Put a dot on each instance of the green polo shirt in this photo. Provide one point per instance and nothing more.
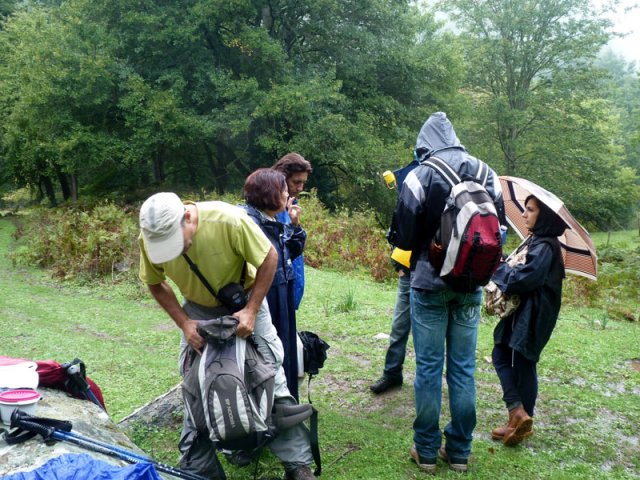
(225, 238)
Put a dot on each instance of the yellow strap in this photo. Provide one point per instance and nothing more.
(403, 257)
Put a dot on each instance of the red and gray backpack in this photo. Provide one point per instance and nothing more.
(467, 247)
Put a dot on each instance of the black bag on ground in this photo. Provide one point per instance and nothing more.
(314, 352)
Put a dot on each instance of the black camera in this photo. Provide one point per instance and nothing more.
(233, 297)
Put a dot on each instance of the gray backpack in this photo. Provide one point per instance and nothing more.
(228, 391)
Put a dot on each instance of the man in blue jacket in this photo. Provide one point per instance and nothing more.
(440, 315)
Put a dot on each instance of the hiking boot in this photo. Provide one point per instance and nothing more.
(499, 432)
(385, 383)
(300, 473)
(427, 466)
(457, 465)
(519, 424)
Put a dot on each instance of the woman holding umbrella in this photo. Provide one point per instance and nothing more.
(519, 338)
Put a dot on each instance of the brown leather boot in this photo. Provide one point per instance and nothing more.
(498, 432)
(519, 424)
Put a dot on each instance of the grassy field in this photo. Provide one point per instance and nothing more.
(587, 415)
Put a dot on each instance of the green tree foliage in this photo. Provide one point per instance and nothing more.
(107, 97)
(201, 92)
(622, 88)
(537, 101)
(56, 98)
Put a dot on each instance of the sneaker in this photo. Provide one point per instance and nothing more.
(300, 473)
(457, 465)
(427, 466)
(385, 383)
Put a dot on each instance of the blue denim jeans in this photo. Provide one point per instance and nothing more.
(445, 319)
(400, 329)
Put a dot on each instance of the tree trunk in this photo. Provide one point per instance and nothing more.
(508, 137)
(63, 180)
(191, 172)
(48, 188)
(73, 186)
(39, 193)
(267, 18)
(158, 166)
(165, 410)
(217, 172)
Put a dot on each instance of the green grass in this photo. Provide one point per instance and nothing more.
(120, 341)
(623, 239)
(586, 423)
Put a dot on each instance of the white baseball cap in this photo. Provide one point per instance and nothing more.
(161, 223)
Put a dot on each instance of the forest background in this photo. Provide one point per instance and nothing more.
(116, 99)
(103, 103)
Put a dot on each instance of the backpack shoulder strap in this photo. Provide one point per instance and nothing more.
(443, 168)
(482, 175)
(315, 446)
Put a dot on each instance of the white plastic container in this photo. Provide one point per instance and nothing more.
(24, 399)
(19, 375)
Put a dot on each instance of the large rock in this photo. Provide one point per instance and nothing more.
(88, 420)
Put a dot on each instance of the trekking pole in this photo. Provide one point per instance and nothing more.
(62, 435)
(76, 376)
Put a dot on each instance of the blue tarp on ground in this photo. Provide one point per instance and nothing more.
(84, 467)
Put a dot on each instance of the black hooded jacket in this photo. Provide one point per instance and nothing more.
(423, 196)
(287, 239)
(538, 282)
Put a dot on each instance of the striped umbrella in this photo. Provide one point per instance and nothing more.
(578, 251)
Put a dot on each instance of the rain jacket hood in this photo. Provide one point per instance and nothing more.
(423, 196)
(549, 224)
(436, 134)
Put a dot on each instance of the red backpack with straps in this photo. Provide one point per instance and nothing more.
(467, 247)
(55, 375)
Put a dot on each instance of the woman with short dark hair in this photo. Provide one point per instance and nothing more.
(266, 194)
(264, 189)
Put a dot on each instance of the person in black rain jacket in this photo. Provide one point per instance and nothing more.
(520, 337)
